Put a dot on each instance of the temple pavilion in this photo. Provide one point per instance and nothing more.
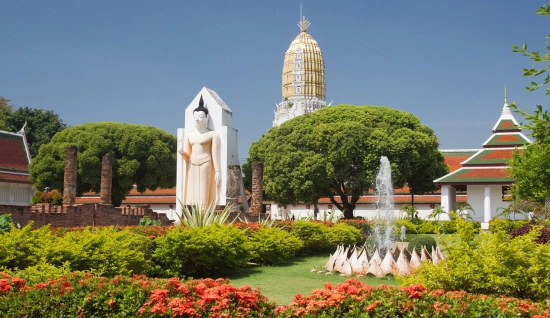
(483, 175)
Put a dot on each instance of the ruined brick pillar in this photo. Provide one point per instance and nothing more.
(257, 187)
(233, 187)
(106, 179)
(69, 182)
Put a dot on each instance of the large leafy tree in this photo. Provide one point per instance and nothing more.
(142, 155)
(335, 152)
(42, 125)
(5, 112)
(530, 168)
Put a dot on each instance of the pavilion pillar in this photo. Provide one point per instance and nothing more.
(448, 198)
(486, 208)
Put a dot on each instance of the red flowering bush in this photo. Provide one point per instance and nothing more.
(356, 299)
(83, 295)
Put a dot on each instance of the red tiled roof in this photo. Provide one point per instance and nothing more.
(14, 178)
(454, 162)
(13, 156)
(477, 176)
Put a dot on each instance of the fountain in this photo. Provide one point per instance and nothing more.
(359, 261)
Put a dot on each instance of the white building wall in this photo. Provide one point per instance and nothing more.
(16, 194)
(476, 198)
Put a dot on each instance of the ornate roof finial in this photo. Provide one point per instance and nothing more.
(303, 24)
(505, 97)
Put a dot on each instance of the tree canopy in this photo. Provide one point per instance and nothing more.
(335, 152)
(529, 168)
(41, 126)
(142, 155)
(5, 112)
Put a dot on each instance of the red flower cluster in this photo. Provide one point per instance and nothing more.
(196, 297)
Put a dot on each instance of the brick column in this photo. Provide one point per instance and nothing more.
(106, 179)
(233, 188)
(257, 187)
(69, 182)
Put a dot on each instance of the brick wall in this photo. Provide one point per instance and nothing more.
(80, 215)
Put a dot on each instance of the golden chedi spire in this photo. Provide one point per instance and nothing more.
(303, 66)
(303, 77)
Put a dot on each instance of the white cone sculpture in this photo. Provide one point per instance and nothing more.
(348, 262)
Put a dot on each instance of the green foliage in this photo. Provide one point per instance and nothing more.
(104, 250)
(142, 155)
(420, 241)
(42, 272)
(41, 126)
(313, 234)
(5, 112)
(200, 251)
(528, 168)
(197, 218)
(489, 264)
(335, 152)
(342, 234)
(21, 248)
(410, 227)
(6, 223)
(506, 226)
(429, 227)
(52, 197)
(410, 210)
(272, 246)
(147, 221)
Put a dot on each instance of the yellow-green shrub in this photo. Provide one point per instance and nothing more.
(105, 250)
(200, 252)
(429, 227)
(341, 233)
(410, 227)
(21, 248)
(272, 245)
(489, 264)
(313, 234)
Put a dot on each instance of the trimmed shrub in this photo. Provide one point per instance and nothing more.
(500, 225)
(272, 246)
(21, 248)
(493, 264)
(6, 223)
(103, 250)
(429, 227)
(52, 197)
(448, 227)
(410, 227)
(543, 232)
(313, 234)
(200, 252)
(365, 226)
(341, 233)
(420, 241)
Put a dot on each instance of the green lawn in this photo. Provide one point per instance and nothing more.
(281, 283)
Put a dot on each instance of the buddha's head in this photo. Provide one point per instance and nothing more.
(200, 115)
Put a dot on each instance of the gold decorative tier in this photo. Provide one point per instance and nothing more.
(304, 67)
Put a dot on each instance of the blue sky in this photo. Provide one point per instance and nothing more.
(144, 61)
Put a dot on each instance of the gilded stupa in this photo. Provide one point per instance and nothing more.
(303, 77)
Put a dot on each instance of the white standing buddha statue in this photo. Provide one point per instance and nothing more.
(201, 158)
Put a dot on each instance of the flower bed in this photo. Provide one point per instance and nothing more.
(356, 299)
(83, 295)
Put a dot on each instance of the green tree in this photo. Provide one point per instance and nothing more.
(529, 168)
(335, 152)
(5, 112)
(42, 125)
(142, 155)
